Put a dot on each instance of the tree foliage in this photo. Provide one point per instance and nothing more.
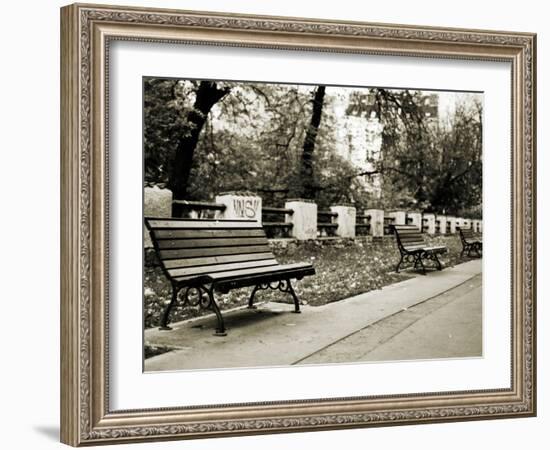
(426, 163)
(281, 141)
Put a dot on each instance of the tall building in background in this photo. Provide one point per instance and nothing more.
(359, 133)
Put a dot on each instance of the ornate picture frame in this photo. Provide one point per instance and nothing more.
(86, 34)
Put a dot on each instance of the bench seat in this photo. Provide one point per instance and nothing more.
(204, 256)
(421, 248)
(433, 249)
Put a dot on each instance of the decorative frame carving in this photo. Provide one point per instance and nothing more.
(86, 31)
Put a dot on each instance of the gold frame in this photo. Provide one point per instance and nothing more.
(86, 31)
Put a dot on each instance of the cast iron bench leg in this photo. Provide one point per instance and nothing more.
(399, 264)
(283, 286)
(418, 259)
(294, 297)
(164, 322)
(439, 266)
(251, 299)
(220, 329)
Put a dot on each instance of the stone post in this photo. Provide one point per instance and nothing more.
(451, 220)
(400, 217)
(429, 221)
(376, 222)
(480, 230)
(345, 220)
(416, 219)
(477, 225)
(240, 206)
(157, 202)
(467, 223)
(442, 223)
(303, 219)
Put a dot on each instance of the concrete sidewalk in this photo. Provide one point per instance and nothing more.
(337, 332)
(448, 325)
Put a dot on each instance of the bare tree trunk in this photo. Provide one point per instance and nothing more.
(207, 95)
(307, 177)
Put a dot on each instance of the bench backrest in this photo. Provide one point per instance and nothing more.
(408, 237)
(189, 248)
(466, 233)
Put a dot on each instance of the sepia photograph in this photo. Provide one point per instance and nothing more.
(296, 224)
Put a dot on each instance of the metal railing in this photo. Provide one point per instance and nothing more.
(273, 225)
(196, 210)
(425, 226)
(325, 226)
(362, 224)
(388, 220)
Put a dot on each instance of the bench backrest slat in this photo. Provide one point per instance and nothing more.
(175, 244)
(212, 260)
(408, 237)
(199, 270)
(189, 248)
(466, 233)
(215, 251)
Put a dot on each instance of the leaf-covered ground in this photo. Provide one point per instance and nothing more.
(342, 270)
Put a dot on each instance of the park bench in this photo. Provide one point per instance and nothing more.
(470, 242)
(200, 257)
(413, 248)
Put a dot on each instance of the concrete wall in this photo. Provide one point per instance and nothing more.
(157, 202)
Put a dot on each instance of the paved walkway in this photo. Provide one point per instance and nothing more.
(438, 315)
(446, 326)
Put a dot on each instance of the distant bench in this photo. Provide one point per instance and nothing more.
(204, 256)
(470, 242)
(413, 248)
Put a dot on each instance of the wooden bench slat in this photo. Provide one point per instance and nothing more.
(410, 238)
(435, 248)
(205, 243)
(215, 251)
(411, 248)
(198, 270)
(199, 224)
(413, 244)
(213, 260)
(261, 270)
(161, 234)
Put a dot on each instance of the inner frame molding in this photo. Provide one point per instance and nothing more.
(86, 31)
